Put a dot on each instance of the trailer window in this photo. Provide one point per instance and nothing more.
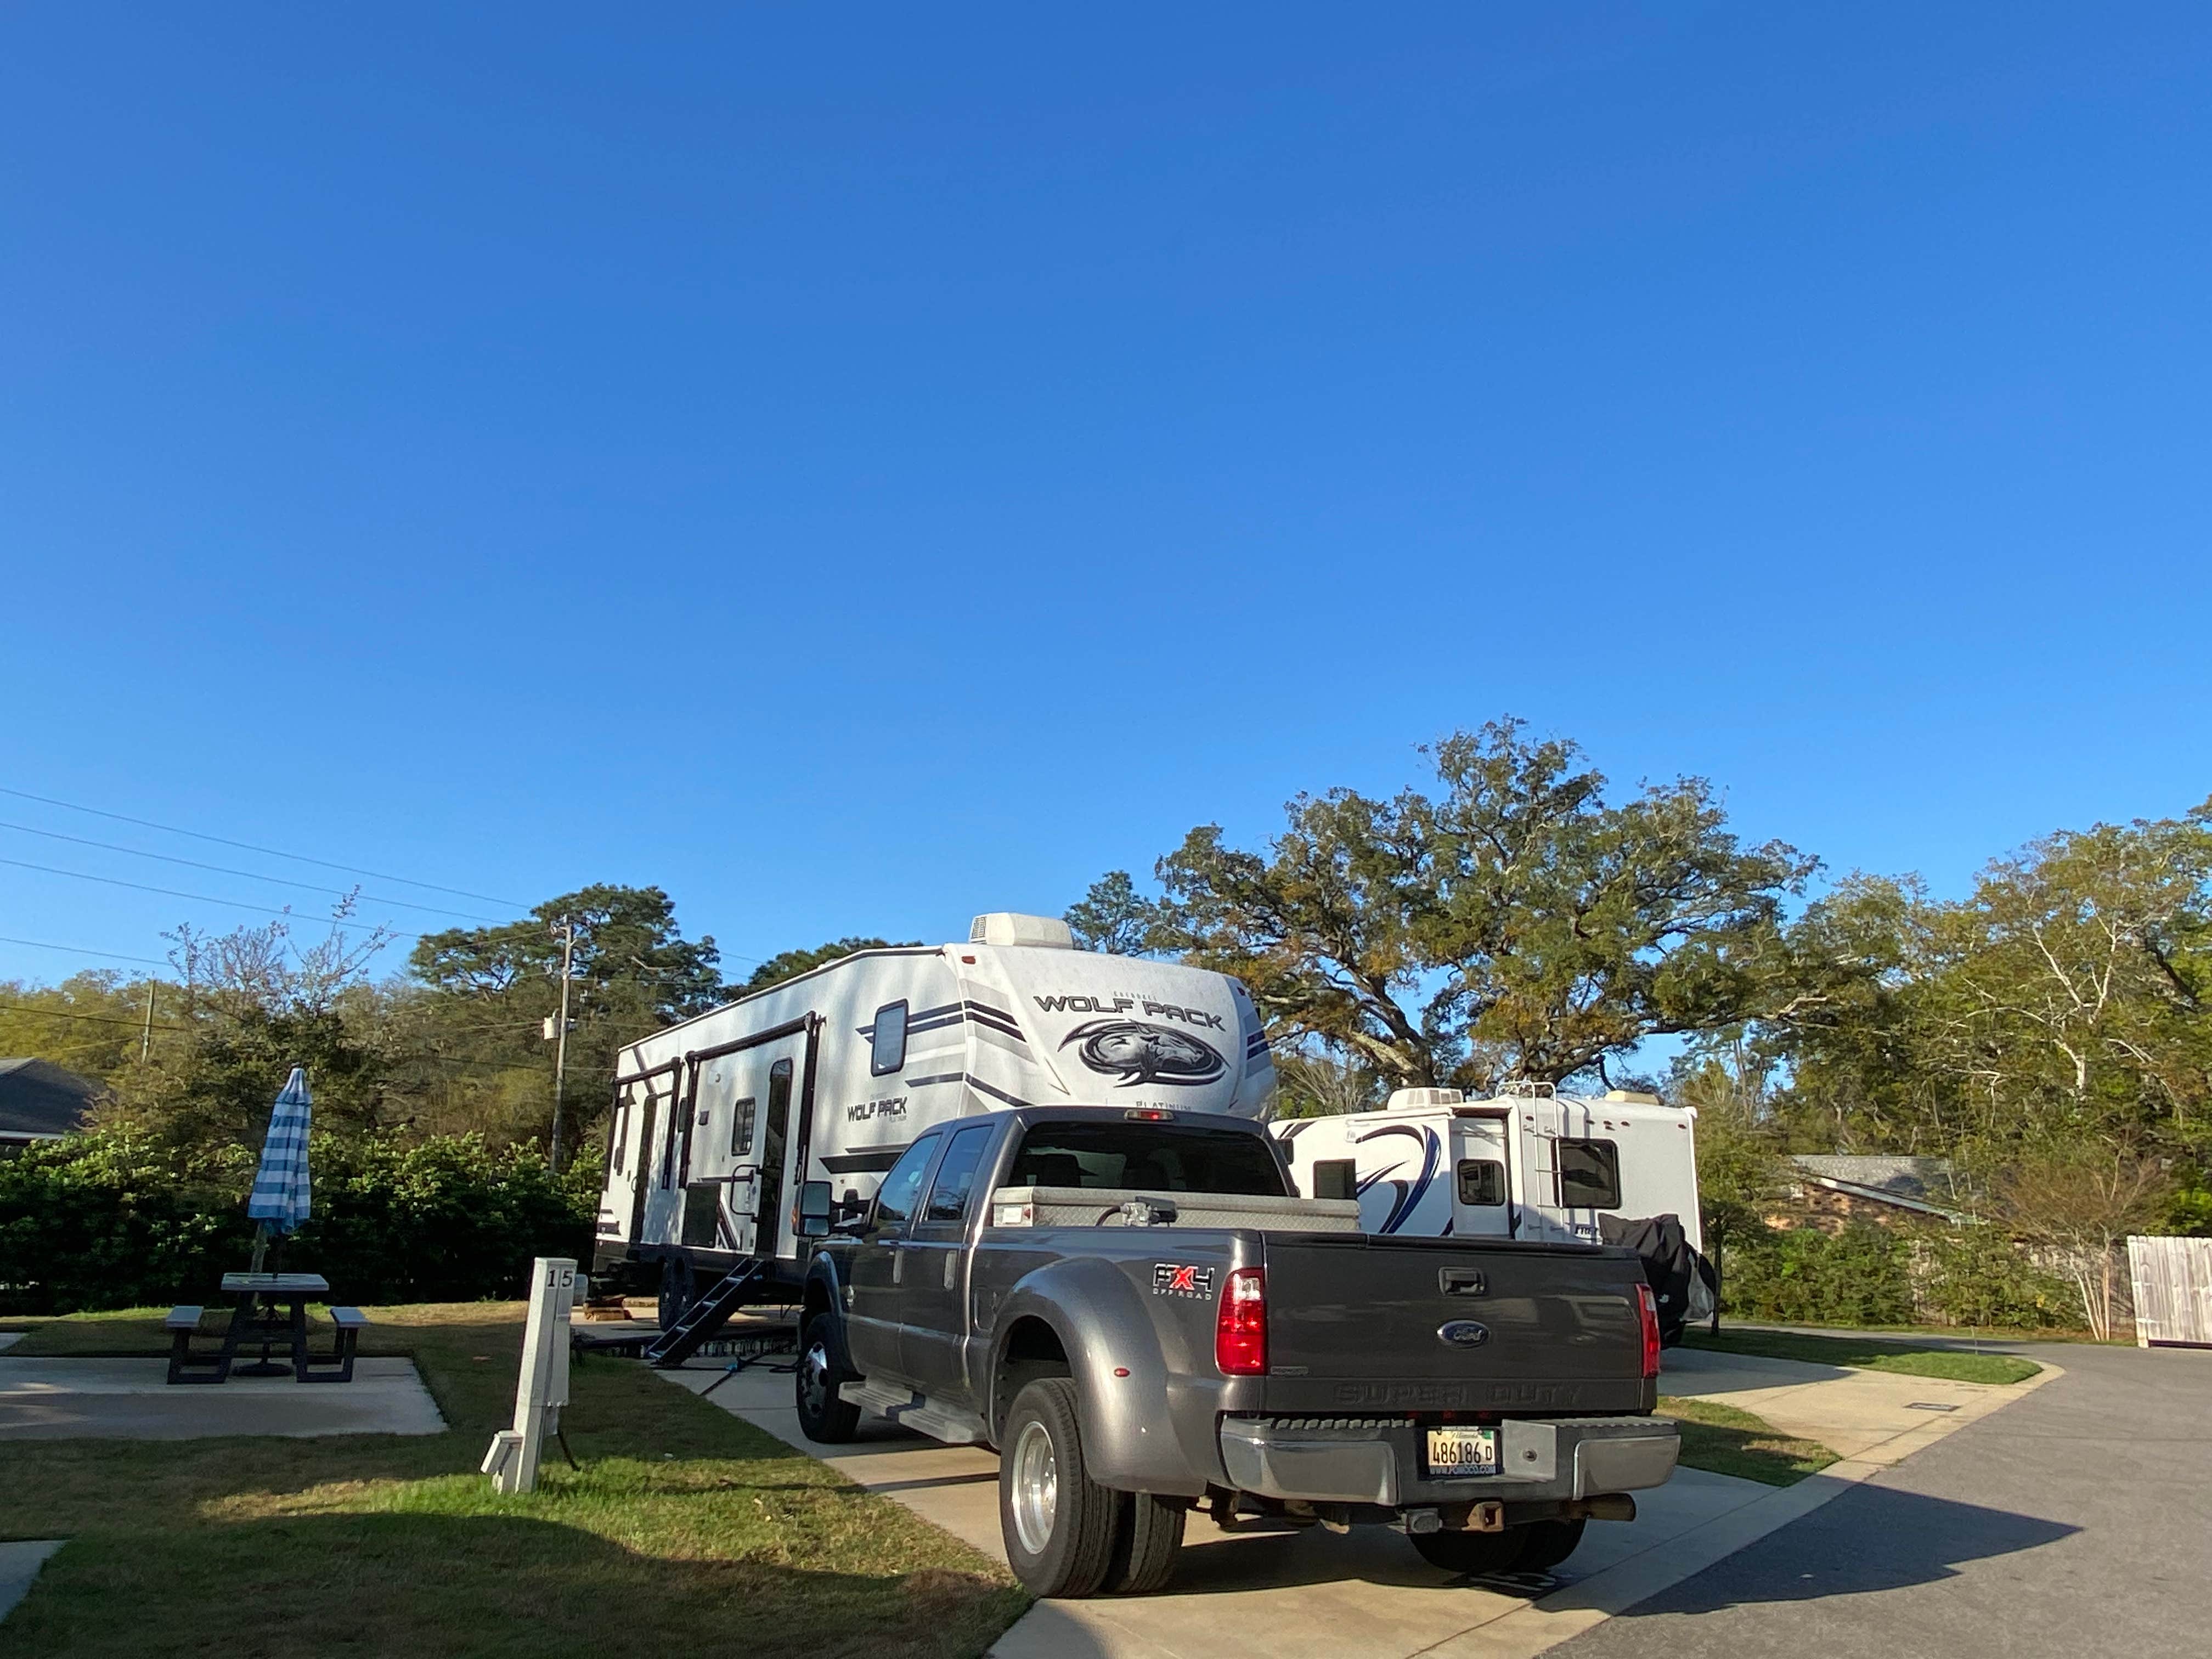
(741, 1127)
(1151, 1157)
(894, 1198)
(888, 1052)
(1589, 1174)
(619, 1137)
(956, 1176)
(1481, 1181)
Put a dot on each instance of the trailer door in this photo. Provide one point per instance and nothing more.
(757, 1136)
(1481, 1176)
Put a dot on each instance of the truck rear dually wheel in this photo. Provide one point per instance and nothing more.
(1147, 1538)
(1057, 1523)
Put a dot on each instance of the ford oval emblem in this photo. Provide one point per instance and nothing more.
(1463, 1334)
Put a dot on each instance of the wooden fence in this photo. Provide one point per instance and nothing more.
(2173, 1290)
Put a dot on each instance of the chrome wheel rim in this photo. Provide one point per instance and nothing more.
(1036, 1488)
(814, 1381)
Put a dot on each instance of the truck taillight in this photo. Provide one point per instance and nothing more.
(1240, 1329)
(1647, 1317)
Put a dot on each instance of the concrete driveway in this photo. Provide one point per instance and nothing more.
(2079, 1524)
(1264, 1591)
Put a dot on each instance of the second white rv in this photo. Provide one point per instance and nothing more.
(1532, 1165)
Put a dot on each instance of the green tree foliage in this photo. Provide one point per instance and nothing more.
(90, 1023)
(1741, 1165)
(1515, 924)
(2065, 1000)
(789, 965)
(1860, 1276)
(1114, 917)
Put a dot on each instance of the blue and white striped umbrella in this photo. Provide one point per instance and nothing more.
(280, 1185)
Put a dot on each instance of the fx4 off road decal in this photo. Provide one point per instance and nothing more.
(1183, 1279)
(1131, 1052)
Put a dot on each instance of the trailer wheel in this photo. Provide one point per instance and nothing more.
(1550, 1543)
(1057, 1523)
(1472, 1552)
(823, 1415)
(1147, 1538)
(676, 1290)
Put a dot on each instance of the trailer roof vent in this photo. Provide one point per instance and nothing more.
(1010, 927)
(1633, 1098)
(1402, 1098)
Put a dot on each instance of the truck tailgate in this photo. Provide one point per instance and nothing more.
(1366, 1322)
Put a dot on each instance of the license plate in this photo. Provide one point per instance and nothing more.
(1462, 1451)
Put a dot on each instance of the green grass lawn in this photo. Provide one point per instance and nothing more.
(685, 1528)
(1725, 1441)
(1868, 1353)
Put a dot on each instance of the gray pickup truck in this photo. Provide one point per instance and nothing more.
(1140, 1313)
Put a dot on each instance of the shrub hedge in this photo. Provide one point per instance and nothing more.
(1870, 1275)
(114, 1220)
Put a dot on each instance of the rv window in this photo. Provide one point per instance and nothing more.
(894, 1198)
(889, 1051)
(1153, 1157)
(1589, 1174)
(741, 1129)
(1481, 1181)
(956, 1176)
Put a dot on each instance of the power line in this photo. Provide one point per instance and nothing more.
(96, 1020)
(82, 950)
(251, 875)
(270, 851)
(171, 892)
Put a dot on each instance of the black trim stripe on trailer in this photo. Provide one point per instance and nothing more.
(997, 1019)
(982, 1087)
(926, 1082)
(874, 1161)
(922, 1019)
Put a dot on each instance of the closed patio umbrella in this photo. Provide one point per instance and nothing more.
(280, 1200)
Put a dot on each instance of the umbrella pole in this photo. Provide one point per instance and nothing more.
(260, 1245)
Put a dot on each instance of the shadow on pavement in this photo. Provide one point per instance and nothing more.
(1869, 1540)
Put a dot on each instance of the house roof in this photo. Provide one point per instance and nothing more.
(1927, 1185)
(40, 1098)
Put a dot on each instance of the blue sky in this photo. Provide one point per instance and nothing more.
(859, 466)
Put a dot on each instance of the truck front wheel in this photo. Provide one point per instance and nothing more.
(823, 1415)
(1058, 1523)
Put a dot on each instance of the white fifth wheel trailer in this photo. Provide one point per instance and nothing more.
(1532, 1163)
(830, 1075)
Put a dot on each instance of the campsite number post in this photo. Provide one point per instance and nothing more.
(543, 1388)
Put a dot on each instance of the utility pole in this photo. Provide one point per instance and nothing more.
(560, 1037)
(146, 1037)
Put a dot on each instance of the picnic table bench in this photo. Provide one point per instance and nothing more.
(256, 1318)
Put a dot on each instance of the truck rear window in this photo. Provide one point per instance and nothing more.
(1150, 1156)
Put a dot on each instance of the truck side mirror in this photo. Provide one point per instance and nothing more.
(814, 1209)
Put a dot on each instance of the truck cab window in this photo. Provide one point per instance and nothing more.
(1481, 1181)
(888, 1051)
(895, 1199)
(1589, 1174)
(1149, 1157)
(955, 1177)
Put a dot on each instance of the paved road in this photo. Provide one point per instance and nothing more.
(2076, 1521)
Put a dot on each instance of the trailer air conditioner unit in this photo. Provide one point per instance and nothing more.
(1008, 927)
(1407, 1097)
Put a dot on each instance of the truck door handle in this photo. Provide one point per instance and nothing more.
(1460, 1281)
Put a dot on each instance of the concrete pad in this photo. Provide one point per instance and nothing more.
(19, 1565)
(131, 1400)
(1875, 1416)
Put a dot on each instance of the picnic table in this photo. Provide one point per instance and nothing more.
(271, 1310)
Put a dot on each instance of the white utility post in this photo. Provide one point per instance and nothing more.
(561, 1049)
(543, 1388)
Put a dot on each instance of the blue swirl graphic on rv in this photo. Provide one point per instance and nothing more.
(1131, 1052)
(1410, 1192)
